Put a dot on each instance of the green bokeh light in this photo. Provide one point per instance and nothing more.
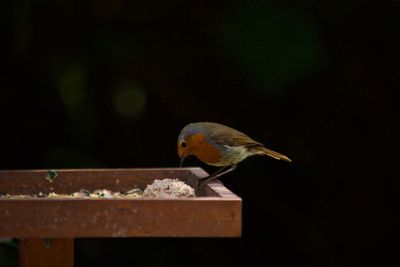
(276, 46)
(72, 86)
(129, 99)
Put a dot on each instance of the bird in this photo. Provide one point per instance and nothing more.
(221, 146)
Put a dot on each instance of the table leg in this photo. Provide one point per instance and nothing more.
(35, 252)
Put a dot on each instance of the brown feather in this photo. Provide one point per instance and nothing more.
(225, 135)
(271, 153)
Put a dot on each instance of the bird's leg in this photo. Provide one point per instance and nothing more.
(218, 173)
(204, 180)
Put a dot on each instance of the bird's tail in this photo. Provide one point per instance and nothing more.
(273, 154)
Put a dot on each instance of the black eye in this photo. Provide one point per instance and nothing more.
(183, 144)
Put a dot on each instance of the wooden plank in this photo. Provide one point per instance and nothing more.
(40, 218)
(71, 180)
(46, 252)
(216, 214)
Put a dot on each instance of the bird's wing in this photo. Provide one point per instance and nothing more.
(225, 135)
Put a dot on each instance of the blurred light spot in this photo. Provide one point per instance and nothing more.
(276, 46)
(129, 99)
(72, 86)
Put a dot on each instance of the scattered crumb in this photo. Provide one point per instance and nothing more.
(167, 188)
(83, 193)
(51, 176)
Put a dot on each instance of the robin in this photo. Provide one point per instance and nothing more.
(219, 145)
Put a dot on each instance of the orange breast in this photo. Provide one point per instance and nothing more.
(204, 151)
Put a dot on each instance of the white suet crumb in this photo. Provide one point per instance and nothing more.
(168, 188)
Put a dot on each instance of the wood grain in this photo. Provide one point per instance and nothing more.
(46, 253)
(71, 180)
(205, 217)
(215, 214)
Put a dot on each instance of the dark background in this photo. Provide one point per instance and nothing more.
(90, 84)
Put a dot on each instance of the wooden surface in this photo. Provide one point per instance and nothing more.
(215, 214)
(46, 252)
(69, 181)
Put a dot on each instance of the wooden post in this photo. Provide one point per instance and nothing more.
(35, 252)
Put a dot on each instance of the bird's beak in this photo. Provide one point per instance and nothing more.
(182, 160)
